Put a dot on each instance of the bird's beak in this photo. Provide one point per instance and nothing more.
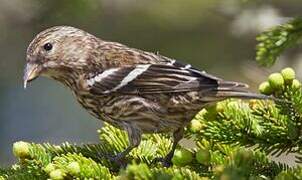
(31, 72)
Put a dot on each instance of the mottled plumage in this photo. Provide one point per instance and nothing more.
(138, 91)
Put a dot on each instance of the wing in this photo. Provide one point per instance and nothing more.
(154, 78)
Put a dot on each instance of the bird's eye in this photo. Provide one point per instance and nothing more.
(47, 46)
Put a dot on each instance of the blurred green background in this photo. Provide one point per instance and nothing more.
(216, 36)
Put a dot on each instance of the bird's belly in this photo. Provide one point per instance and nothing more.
(151, 114)
(141, 113)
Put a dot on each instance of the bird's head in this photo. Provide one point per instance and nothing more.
(56, 52)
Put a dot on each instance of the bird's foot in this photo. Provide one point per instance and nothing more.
(118, 159)
(166, 161)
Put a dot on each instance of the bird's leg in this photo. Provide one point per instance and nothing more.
(177, 136)
(134, 136)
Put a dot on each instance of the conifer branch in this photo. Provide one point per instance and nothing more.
(274, 41)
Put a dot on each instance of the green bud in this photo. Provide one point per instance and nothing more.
(276, 81)
(195, 126)
(220, 107)
(201, 114)
(265, 88)
(203, 156)
(56, 174)
(211, 113)
(296, 84)
(21, 149)
(182, 157)
(211, 109)
(288, 75)
(49, 168)
(74, 168)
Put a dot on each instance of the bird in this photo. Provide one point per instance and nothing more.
(134, 90)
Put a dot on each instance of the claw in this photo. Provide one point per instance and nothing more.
(118, 159)
(166, 162)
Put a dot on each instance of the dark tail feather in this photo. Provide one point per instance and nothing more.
(241, 94)
(246, 95)
(230, 89)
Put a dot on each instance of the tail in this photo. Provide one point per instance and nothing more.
(242, 95)
(230, 89)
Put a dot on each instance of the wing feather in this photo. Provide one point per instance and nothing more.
(151, 78)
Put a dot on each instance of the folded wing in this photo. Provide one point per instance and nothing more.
(157, 78)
